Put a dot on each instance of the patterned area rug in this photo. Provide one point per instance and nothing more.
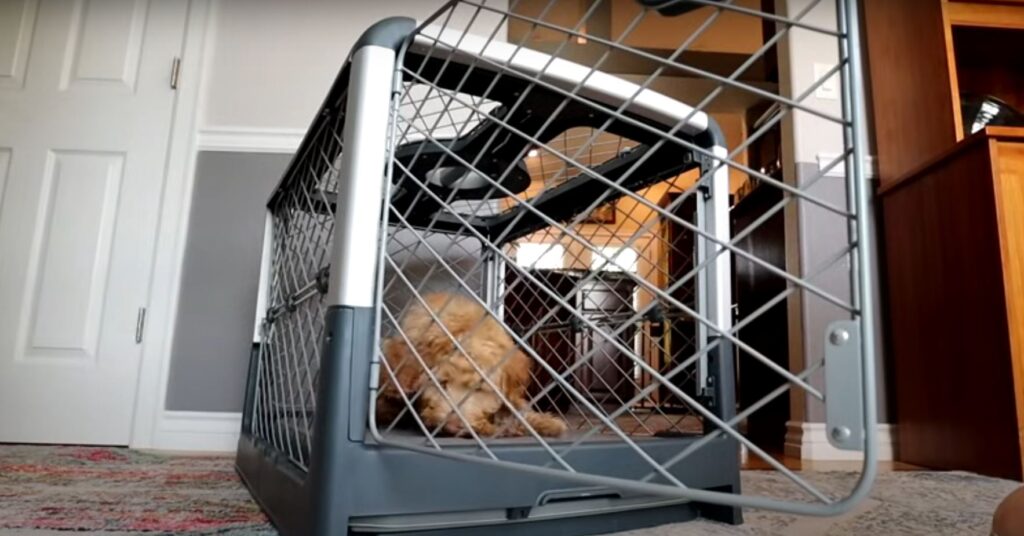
(121, 491)
(56, 490)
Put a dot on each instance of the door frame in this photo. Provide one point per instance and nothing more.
(172, 228)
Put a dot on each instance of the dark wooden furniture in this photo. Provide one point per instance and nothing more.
(753, 286)
(525, 305)
(606, 301)
(951, 230)
(921, 56)
(954, 249)
(679, 331)
(913, 100)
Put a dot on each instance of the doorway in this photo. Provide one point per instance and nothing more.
(755, 285)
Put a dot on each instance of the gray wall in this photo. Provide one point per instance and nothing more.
(822, 234)
(217, 304)
(814, 234)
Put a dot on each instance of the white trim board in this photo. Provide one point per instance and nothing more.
(153, 427)
(839, 170)
(808, 441)
(197, 431)
(180, 170)
(249, 139)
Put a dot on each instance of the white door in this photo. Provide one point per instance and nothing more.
(85, 117)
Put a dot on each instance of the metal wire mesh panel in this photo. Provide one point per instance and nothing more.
(302, 210)
(556, 268)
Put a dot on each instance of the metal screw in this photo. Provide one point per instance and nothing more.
(839, 337)
(839, 433)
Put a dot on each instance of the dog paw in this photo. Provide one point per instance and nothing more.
(546, 424)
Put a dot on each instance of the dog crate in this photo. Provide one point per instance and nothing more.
(529, 170)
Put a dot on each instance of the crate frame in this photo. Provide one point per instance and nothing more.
(323, 499)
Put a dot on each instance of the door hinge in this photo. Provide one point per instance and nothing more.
(175, 72)
(140, 324)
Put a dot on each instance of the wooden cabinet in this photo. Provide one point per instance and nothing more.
(922, 55)
(911, 95)
(951, 222)
(954, 249)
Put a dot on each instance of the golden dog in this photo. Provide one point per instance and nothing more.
(487, 344)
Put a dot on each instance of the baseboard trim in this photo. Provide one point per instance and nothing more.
(808, 441)
(249, 139)
(197, 431)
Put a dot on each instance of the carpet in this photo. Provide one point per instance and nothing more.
(50, 491)
(46, 489)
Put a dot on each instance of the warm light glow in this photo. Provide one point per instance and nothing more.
(541, 256)
(533, 153)
(614, 259)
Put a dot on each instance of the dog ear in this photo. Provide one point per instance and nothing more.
(515, 377)
(404, 366)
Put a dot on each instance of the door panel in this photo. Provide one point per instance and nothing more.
(105, 44)
(85, 118)
(78, 212)
(17, 19)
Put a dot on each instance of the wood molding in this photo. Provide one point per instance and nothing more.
(954, 77)
(986, 15)
(1009, 193)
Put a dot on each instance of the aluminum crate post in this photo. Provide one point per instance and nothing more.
(348, 331)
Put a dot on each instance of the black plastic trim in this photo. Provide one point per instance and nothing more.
(671, 8)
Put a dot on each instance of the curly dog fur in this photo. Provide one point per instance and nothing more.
(487, 344)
